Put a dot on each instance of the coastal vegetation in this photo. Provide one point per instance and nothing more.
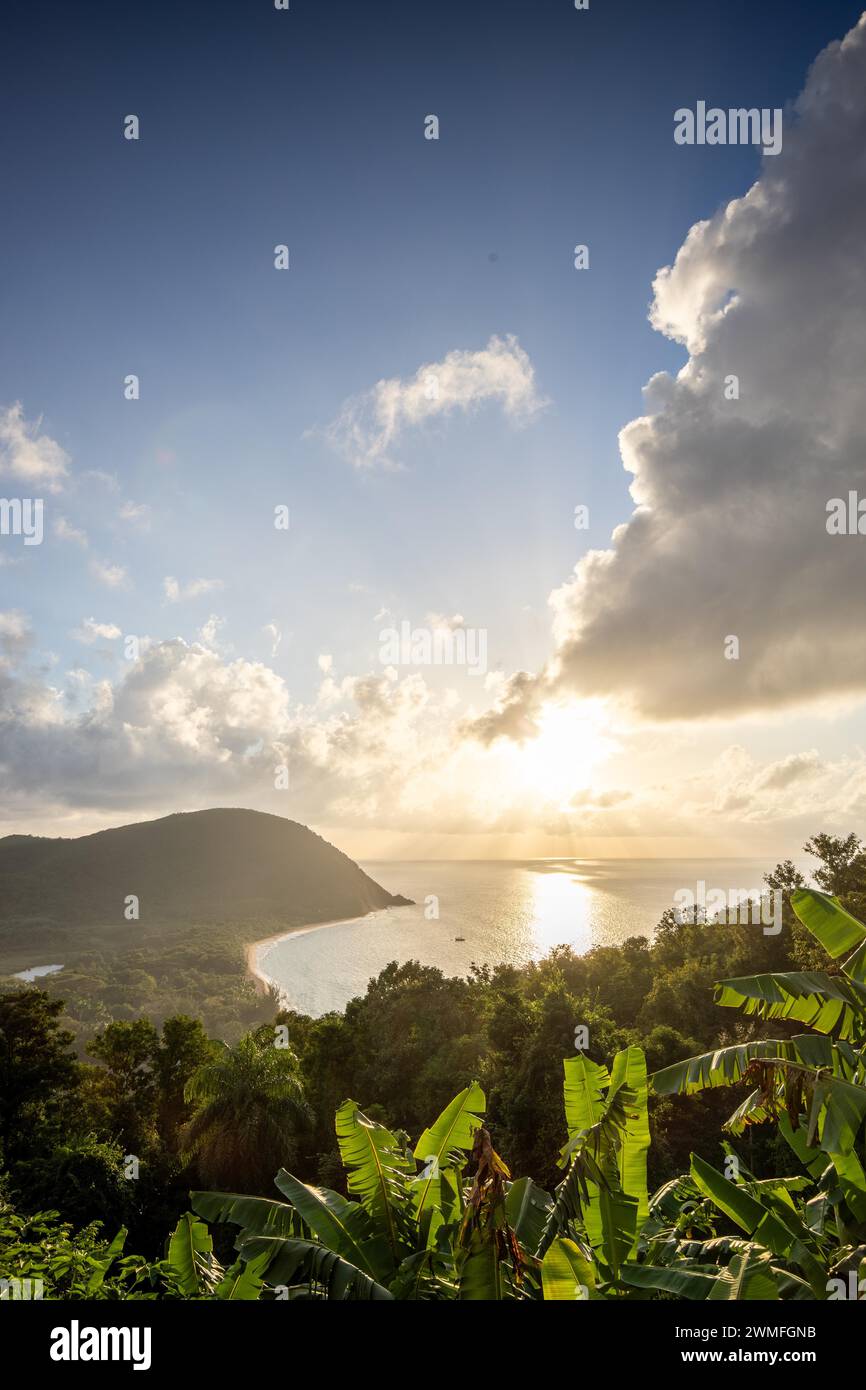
(707, 1143)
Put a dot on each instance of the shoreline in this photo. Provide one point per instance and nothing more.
(252, 949)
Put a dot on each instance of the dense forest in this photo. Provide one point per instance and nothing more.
(635, 1180)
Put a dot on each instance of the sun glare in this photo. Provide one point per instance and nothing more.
(560, 761)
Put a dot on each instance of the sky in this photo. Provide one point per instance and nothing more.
(290, 377)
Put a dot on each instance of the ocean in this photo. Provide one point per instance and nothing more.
(489, 912)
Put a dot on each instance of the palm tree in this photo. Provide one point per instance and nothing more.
(249, 1112)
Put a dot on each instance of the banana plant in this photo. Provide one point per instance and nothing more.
(813, 1086)
(602, 1203)
(401, 1233)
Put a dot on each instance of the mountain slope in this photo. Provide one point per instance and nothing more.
(200, 866)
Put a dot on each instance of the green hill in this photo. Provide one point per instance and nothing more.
(202, 866)
(207, 882)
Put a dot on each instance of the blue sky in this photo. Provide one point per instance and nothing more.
(305, 127)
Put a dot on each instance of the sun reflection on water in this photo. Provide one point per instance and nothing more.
(561, 910)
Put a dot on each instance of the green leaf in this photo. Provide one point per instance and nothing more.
(243, 1282)
(827, 920)
(824, 1002)
(749, 1277)
(724, 1067)
(629, 1069)
(377, 1167)
(527, 1208)
(257, 1216)
(566, 1274)
(679, 1280)
(341, 1225)
(455, 1128)
(293, 1262)
(97, 1278)
(190, 1255)
(737, 1204)
(583, 1092)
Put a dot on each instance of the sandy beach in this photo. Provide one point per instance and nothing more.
(254, 949)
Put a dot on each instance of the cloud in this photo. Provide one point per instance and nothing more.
(729, 536)
(28, 455)
(91, 631)
(137, 513)
(272, 631)
(187, 726)
(15, 635)
(66, 532)
(371, 425)
(177, 593)
(112, 576)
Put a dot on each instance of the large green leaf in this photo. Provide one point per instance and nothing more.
(377, 1167)
(629, 1069)
(681, 1280)
(826, 918)
(244, 1281)
(527, 1208)
(566, 1274)
(341, 1225)
(750, 1276)
(844, 1109)
(257, 1216)
(323, 1271)
(740, 1207)
(824, 1002)
(583, 1092)
(455, 1129)
(190, 1255)
(724, 1067)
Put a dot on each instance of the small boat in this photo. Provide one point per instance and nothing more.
(460, 938)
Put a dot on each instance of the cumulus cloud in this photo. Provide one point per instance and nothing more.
(729, 536)
(370, 426)
(28, 455)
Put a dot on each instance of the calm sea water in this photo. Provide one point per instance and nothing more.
(505, 911)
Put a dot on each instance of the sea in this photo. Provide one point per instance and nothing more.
(488, 912)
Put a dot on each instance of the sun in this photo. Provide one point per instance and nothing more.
(572, 741)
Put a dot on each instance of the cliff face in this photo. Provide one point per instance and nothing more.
(203, 866)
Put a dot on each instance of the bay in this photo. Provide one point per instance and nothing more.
(489, 911)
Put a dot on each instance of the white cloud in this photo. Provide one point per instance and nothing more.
(137, 513)
(272, 631)
(91, 631)
(209, 632)
(371, 425)
(66, 532)
(177, 593)
(28, 455)
(112, 576)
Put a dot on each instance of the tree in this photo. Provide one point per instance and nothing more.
(38, 1071)
(249, 1111)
